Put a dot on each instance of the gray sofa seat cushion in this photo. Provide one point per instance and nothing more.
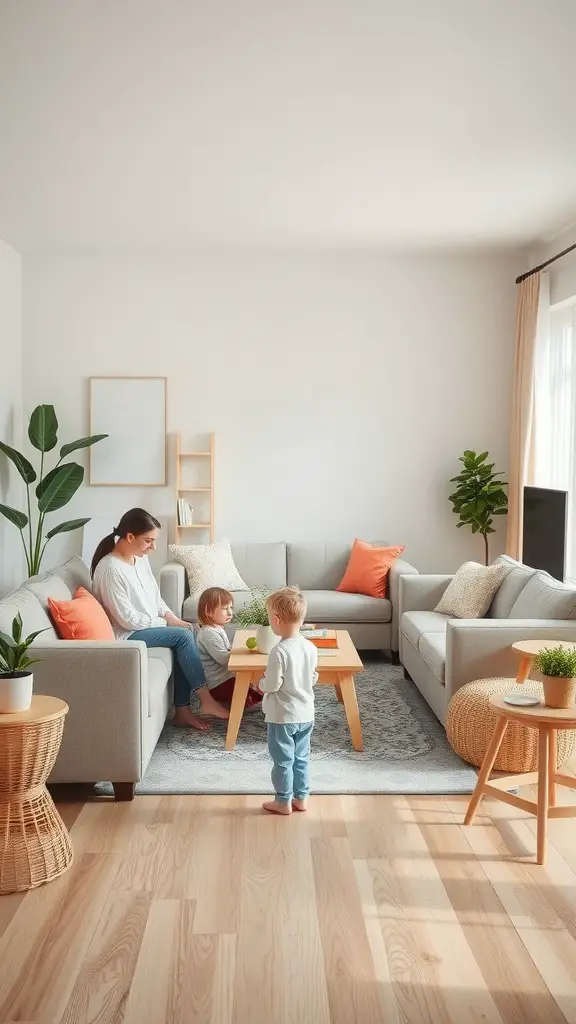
(332, 606)
(414, 624)
(159, 669)
(545, 598)
(33, 615)
(511, 587)
(432, 650)
(261, 565)
(163, 654)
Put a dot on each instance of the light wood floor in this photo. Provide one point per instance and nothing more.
(198, 910)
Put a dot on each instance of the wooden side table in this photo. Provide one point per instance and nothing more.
(528, 649)
(34, 842)
(547, 721)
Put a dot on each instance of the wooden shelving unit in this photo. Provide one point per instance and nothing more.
(181, 531)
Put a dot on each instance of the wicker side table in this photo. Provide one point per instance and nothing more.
(471, 720)
(34, 843)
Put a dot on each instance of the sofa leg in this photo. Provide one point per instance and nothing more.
(395, 655)
(407, 675)
(124, 790)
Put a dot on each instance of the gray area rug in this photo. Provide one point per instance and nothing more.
(405, 748)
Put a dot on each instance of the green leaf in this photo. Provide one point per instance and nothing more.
(46, 481)
(25, 468)
(5, 642)
(84, 442)
(43, 428)
(72, 524)
(17, 628)
(19, 519)
(62, 486)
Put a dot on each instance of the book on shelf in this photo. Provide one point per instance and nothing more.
(325, 638)
(184, 513)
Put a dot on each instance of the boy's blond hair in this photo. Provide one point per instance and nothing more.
(288, 603)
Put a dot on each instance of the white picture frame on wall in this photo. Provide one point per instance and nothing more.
(133, 411)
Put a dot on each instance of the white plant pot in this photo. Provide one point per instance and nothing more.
(266, 639)
(16, 693)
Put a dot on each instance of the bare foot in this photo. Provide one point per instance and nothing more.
(300, 805)
(275, 808)
(185, 717)
(210, 706)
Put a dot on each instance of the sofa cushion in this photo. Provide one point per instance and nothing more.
(261, 565)
(82, 618)
(318, 566)
(158, 676)
(331, 606)
(33, 615)
(469, 594)
(73, 574)
(545, 598)
(163, 654)
(414, 624)
(432, 650)
(208, 565)
(367, 569)
(511, 587)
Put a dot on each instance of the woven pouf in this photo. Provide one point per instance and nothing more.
(470, 723)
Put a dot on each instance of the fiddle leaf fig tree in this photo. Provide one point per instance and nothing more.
(479, 496)
(54, 488)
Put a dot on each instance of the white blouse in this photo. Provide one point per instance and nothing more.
(130, 595)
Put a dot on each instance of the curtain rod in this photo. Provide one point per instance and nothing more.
(535, 270)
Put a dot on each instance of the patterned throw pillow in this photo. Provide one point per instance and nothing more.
(208, 565)
(469, 594)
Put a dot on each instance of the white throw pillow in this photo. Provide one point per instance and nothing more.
(469, 595)
(208, 565)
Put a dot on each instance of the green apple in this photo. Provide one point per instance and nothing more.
(251, 643)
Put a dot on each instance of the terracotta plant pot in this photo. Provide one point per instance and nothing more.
(559, 692)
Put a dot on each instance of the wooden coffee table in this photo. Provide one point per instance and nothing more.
(335, 670)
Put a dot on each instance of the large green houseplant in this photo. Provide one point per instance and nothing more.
(54, 488)
(479, 496)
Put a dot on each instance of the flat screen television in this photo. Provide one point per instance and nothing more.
(544, 543)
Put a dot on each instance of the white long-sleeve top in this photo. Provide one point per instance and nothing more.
(214, 650)
(288, 685)
(129, 594)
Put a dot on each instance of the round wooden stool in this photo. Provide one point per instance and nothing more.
(35, 844)
(547, 721)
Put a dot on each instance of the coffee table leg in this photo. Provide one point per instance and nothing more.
(348, 691)
(487, 765)
(241, 687)
(552, 765)
(338, 692)
(524, 667)
(543, 793)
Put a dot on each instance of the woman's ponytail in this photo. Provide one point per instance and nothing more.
(136, 521)
(106, 545)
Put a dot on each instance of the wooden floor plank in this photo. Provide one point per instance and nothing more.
(151, 989)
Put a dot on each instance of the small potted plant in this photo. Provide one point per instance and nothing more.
(16, 681)
(558, 668)
(256, 614)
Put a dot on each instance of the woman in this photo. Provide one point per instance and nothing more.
(125, 585)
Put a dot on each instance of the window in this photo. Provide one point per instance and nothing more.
(555, 413)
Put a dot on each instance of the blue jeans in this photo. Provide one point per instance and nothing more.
(289, 747)
(188, 672)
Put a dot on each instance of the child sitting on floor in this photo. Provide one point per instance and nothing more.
(215, 610)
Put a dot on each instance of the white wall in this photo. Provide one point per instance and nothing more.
(11, 487)
(342, 388)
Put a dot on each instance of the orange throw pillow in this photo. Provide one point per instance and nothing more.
(83, 618)
(367, 569)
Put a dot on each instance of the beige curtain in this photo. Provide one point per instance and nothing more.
(522, 441)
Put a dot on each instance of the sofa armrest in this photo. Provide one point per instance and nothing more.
(173, 586)
(398, 569)
(105, 685)
(421, 593)
(482, 648)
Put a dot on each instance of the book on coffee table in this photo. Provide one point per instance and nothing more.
(325, 638)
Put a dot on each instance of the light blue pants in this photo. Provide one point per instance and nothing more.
(289, 747)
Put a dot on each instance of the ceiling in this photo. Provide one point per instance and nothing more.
(168, 124)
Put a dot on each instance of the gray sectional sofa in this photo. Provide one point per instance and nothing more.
(441, 654)
(317, 569)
